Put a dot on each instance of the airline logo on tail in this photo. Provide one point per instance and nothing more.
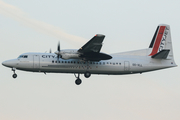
(159, 39)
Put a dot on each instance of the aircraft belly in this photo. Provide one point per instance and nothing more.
(94, 69)
(99, 69)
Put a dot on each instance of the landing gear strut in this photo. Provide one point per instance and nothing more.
(14, 75)
(78, 80)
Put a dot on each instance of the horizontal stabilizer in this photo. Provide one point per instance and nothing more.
(161, 55)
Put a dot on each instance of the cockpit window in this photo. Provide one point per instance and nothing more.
(20, 56)
(23, 56)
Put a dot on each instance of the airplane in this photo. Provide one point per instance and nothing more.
(89, 60)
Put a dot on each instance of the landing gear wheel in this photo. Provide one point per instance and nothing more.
(87, 74)
(14, 75)
(78, 81)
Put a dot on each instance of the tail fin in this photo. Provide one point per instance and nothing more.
(161, 45)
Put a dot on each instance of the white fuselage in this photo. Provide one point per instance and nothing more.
(119, 64)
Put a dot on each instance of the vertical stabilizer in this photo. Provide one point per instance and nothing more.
(162, 41)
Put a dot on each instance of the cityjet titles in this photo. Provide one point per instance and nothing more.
(49, 56)
(162, 44)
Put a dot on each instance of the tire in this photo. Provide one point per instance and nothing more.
(14, 75)
(87, 74)
(78, 81)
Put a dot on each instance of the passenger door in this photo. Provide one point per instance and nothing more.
(36, 61)
(126, 66)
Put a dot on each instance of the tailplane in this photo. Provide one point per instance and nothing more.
(161, 44)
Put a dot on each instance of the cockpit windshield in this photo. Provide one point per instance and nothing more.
(23, 56)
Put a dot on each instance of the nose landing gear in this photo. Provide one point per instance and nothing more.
(78, 80)
(14, 75)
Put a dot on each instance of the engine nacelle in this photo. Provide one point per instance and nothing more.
(66, 56)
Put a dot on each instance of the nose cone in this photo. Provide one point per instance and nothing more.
(10, 63)
(5, 63)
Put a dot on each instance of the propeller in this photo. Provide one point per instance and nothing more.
(58, 52)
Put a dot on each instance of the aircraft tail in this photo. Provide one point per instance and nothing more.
(161, 44)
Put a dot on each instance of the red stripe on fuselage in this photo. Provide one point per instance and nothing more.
(158, 40)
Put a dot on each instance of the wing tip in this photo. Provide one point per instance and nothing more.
(163, 24)
(100, 35)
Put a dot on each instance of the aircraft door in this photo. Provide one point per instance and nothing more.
(36, 61)
(126, 66)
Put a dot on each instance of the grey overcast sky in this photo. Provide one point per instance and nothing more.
(37, 26)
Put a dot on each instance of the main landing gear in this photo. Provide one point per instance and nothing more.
(14, 75)
(87, 74)
(78, 81)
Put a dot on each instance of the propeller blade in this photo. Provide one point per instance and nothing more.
(58, 51)
(58, 46)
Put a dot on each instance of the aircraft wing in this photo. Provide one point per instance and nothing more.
(91, 50)
(94, 45)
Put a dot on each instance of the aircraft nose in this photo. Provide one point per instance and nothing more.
(9, 63)
(5, 63)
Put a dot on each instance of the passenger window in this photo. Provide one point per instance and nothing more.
(56, 61)
(65, 62)
(53, 61)
(107, 63)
